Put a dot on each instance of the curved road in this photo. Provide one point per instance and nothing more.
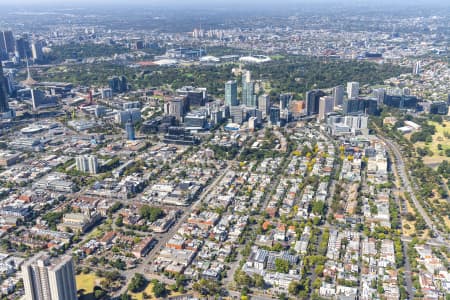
(400, 165)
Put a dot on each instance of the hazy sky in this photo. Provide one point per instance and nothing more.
(214, 2)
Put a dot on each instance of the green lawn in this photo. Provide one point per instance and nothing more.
(438, 139)
(140, 296)
(86, 282)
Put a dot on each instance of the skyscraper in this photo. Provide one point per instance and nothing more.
(274, 116)
(338, 95)
(352, 90)
(7, 38)
(231, 93)
(417, 68)
(87, 164)
(129, 127)
(118, 84)
(36, 51)
(49, 279)
(248, 90)
(326, 105)
(23, 48)
(264, 104)
(3, 92)
(379, 94)
(285, 99)
(312, 99)
(176, 108)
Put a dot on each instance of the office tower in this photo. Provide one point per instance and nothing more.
(106, 93)
(3, 52)
(166, 107)
(264, 104)
(231, 93)
(417, 68)
(23, 48)
(379, 95)
(237, 114)
(47, 278)
(354, 106)
(285, 99)
(3, 92)
(133, 115)
(129, 127)
(402, 102)
(248, 90)
(118, 84)
(252, 123)
(176, 108)
(8, 40)
(123, 84)
(36, 51)
(356, 122)
(326, 105)
(338, 95)
(439, 108)
(274, 116)
(312, 101)
(37, 97)
(131, 105)
(352, 90)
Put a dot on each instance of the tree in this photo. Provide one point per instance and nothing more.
(99, 293)
(119, 221)
(159, 289)
(259, 281)
(151, 213)
(281, 265)
(294, 287)
(125, 297)
(206, 287)
(138, 283)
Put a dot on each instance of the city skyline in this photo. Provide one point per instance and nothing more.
(224, 149)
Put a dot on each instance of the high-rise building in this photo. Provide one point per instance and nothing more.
(352, 90)
(231, 93)
(312, 101)
(39, 99)
(417, 68)
(338, 95)
(23, 48)
(274, 116)
(326, 105)
(354, 106)
(285, 99)
(3, 52)
(237, 114)
(264, 104)
(129, 127)
(401, 101)
(248, 90)
(252, 123)
(87, 164)
(47, 278)
(7, 40)
(133, 115)
(106, 93)
(379, 95)
(176, 108)
(118, 84)
(4, 107)
(36, 51)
